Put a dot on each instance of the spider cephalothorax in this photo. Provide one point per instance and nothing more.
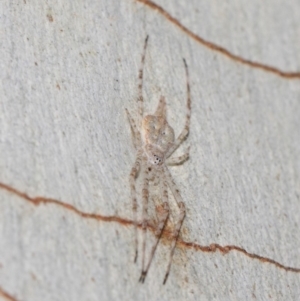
(154, 141)
(157, 136)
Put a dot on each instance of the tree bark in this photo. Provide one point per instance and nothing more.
(68, 71)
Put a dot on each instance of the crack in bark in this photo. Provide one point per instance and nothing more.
(6, 295)
(212, 248)
(217, 48)
(168, 234)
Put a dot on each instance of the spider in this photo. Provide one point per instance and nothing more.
(155, 144)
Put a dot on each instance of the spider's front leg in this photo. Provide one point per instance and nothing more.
(132, 178)
(180, 159)
(145, 197)
(180, 218)
(162, 216)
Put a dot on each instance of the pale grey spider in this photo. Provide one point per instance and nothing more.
(155, 144)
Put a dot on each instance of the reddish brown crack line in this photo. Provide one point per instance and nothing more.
(166, 235)
(215, 47)
(6, 295)
(39, 200)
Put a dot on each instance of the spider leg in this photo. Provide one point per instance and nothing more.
(140, 85)
(162, 216)
(178, 160)
(145, 197)
(136, 136)
(180, 218)
(186, 128)
(133, 175)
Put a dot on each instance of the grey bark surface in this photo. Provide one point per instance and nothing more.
(69, 69)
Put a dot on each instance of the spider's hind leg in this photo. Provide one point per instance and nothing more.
(136, 136)
(140, 84)
(184, 133)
